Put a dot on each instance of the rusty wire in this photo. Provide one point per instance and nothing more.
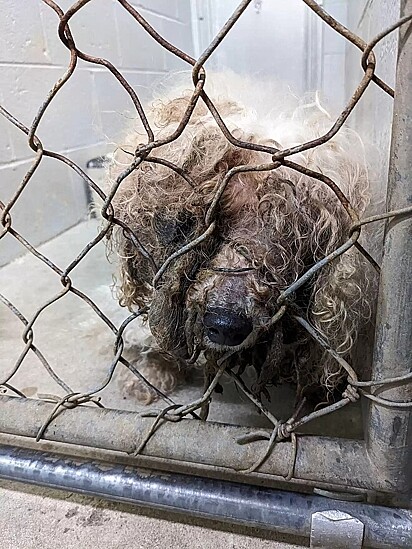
(143, 154)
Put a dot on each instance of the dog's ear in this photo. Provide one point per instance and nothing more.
(341, 309)
(134, 276)
(340, 297)
(134, 272)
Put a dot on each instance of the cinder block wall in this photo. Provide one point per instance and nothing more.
(89, 112)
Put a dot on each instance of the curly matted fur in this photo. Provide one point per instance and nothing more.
(270, 228)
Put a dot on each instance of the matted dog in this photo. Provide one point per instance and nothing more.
(270, 228)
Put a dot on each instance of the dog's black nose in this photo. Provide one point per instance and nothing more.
(224, 327)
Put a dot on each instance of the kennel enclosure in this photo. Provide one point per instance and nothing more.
(200, 463)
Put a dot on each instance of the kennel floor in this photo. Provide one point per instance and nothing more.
(79, 346)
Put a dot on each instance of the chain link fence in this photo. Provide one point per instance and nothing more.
(295, 456)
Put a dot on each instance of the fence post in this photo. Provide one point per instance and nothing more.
(389, 436)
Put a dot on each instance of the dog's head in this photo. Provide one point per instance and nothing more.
(269, 227)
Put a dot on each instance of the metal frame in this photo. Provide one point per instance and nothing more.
(389, 432)
(212, 446)
(317, 461)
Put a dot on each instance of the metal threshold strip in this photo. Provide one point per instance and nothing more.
(281, 511)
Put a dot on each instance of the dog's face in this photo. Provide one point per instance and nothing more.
(269, 228)
(221, 295)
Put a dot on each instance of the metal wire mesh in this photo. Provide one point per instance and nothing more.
(144, 153)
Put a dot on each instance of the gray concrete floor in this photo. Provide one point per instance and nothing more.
(78, 346)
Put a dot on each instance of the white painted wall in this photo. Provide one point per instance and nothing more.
(333, 74)
(88, 113)
(281, 40)
(268, 41)
(373, 116)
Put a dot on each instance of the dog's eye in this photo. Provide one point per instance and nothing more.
(173, 230)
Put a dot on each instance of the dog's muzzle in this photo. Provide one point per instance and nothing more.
(225, 327)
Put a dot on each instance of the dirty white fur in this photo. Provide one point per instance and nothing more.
(310, 216)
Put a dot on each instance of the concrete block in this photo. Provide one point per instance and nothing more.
(168, 8)
(93, 30)
(89, 112)
(175, 10)
(24, 89)
(68, 121)
(49, 204)
(21, 33)
(114, 106)
(10, 248)
(138, 50)
(6, 129)
(55, 52)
